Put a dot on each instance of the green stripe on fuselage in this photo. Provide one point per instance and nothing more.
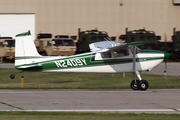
(86, 60)
(151, 51)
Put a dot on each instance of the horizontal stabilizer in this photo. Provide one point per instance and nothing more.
(30, 66)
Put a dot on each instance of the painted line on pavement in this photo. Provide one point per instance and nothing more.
(100, 110)
(37, 92)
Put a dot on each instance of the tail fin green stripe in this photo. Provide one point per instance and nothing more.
(23, 34)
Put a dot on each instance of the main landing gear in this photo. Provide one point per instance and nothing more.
(139, 84)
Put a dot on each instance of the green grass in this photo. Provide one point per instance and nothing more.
(41, 80)
(84, 116)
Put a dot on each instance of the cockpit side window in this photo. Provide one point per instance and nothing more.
(120, 52)
(106, 54)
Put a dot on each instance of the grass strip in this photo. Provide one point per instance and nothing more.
(41, 80)
(84, 116)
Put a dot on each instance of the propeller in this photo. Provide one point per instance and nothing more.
(165, 49)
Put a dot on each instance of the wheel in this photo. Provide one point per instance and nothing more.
(12, 76)
(134, 85)
(143, 85)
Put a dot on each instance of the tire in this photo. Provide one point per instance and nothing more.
(135, 86)
(12, 76)
(143, 85)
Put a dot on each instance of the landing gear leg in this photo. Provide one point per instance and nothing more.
(143, 84)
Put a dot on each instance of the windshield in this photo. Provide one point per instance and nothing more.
(98, 37)
(63, 43)
(57, 42)
(68, 42)
(10, 43)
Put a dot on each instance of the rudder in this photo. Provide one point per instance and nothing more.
(24, 48)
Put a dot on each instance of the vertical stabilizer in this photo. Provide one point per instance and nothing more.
(24, 48)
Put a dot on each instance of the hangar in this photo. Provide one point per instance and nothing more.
(66, 16)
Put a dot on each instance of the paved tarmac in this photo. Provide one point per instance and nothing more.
(173, 69)
(123, 101)
(7, 65)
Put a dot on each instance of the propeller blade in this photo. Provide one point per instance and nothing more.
(165, 72)
(165, 49)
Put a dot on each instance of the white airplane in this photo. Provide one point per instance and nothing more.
(105, 57)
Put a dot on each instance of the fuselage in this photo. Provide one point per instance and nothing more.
(94, 62)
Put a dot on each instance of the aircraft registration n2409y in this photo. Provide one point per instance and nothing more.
(105, 57)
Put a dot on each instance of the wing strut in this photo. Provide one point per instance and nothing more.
(134, 63)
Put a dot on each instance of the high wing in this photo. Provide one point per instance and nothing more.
(103, 45)
(109, 45)
(127, 44)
